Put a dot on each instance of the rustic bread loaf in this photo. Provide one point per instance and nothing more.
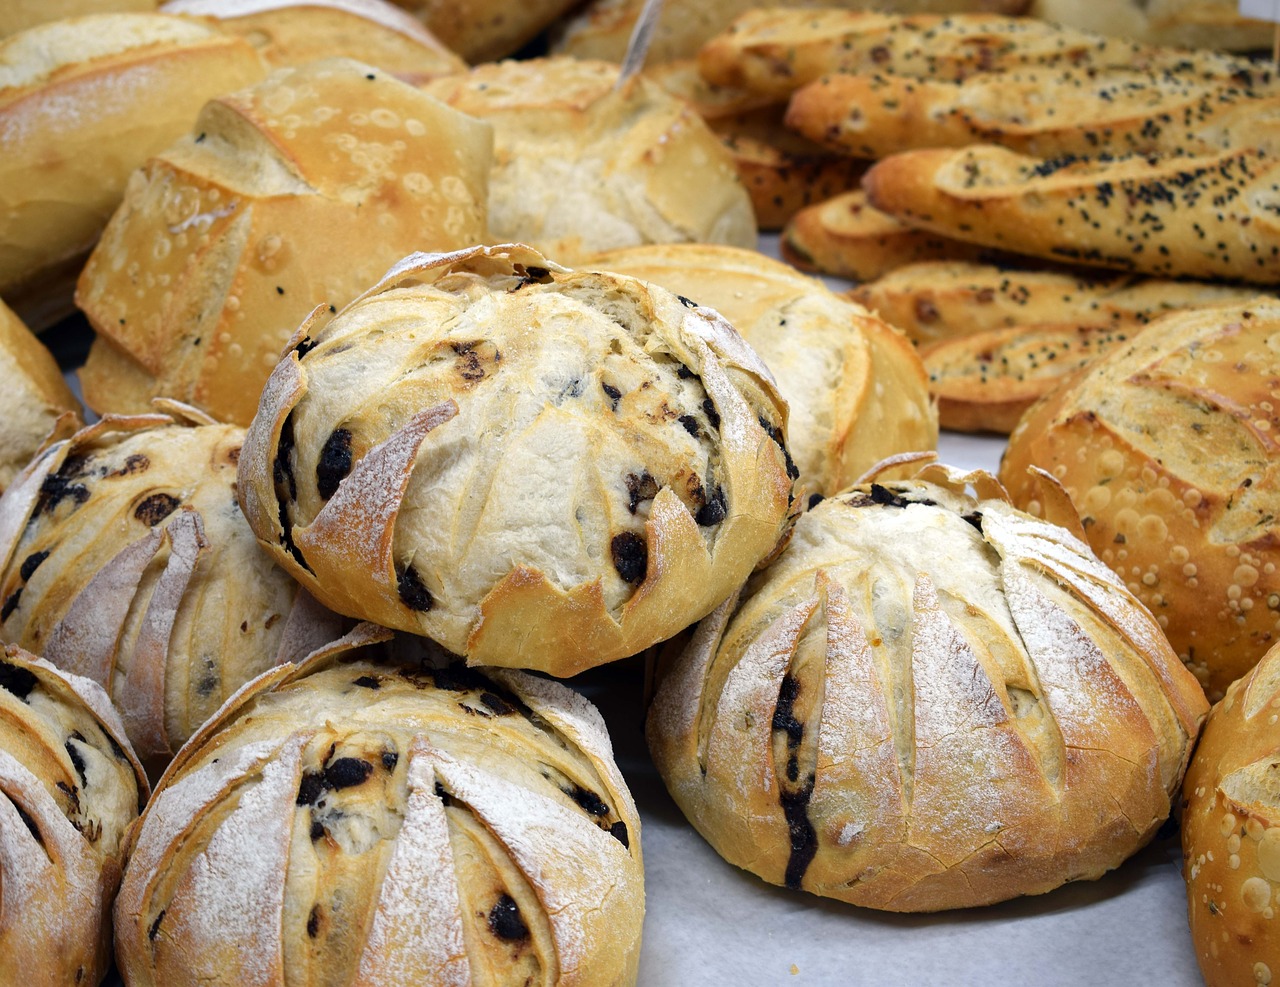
(292, 32)
(535, 467)
(930, 700)
(35, 403)
(408, 825)
(1211, 215)
(22, 14)
(83, 102)
(482, 30)
(126, 560)
(69, 788)
(855, 387)
(295, 193)
(580, 166)
(1167, 449)
(1229, 832)
(1186, 23)
(848, 238)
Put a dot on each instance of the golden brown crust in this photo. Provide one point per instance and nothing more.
(883, 720)
(228, 217)
(1167, 450)
(22, 14)
(1184, 23)
(1200, 216)
(482, 30)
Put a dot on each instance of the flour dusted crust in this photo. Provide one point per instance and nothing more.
(930, 700)
(83, 102)
(855, 387)
(1167, 448)
(291, 32)
(386, 823)
(69, 789)
(580, 165)
(295, 193)
(536, 467)
(126, 560)
(1231, 831)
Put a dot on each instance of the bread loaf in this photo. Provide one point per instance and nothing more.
(83, 102)
(482, 30)
(1199, 216)
(295, 193)
(22, 14)
(69, 789)
(930, 700)
(408, 825)
(1186, 23)
(629, 445)
(1166, 449)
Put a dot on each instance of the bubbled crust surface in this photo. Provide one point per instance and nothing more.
(1231, 833)
(1167, 448)
(883, 720)
(856, 389)
(410, 826)
(580, 166)
(127, 561)
(298, 192)
(616, 461)
(69, 788)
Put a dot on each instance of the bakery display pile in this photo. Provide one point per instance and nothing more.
(427, 356)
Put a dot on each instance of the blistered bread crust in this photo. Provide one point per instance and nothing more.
(931, 700)
(368, 822)
(70, 787)
(1167, 448)
(536, 467)
(298, 192)
(855, 386)
(1231, 833)
(126, 560)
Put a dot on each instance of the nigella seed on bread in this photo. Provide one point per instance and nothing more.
(542, 468)
(929, 700)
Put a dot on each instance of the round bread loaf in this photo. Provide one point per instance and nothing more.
(366, 822)
(580, 165)
(69, 788)
(1167, 447)
(126, 560)
(297, 192)
(535, 467)
(855, 386)
(1231, 832)
(930, 700)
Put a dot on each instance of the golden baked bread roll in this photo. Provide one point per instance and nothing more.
(854, 385)
(69, 789)
(1214, 215)
(295, 193)
(1186, 23)
(36, 404)
(22, 14)
(1166, 447)
(388, 823)
(930, 700)
(83, 102)
(126, 560)
(482, 30)
(1229, 833)
(292, 32)
(536, 467)
(580, 166)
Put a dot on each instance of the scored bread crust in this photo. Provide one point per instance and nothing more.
(70, 787)
(410, 824)
(855, 387)
(1167, 449)
(536, 467)
(1231, 832)
(229, 215)
(930, 700)
(1214, 215)
(84, 102)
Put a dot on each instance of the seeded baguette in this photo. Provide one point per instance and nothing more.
(482, 30)
(1199, 216)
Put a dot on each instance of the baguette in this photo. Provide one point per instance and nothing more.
(1206, 216)
(1188, 23)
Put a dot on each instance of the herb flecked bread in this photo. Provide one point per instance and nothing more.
(386, 823)
(536, 467)
(930, 700)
